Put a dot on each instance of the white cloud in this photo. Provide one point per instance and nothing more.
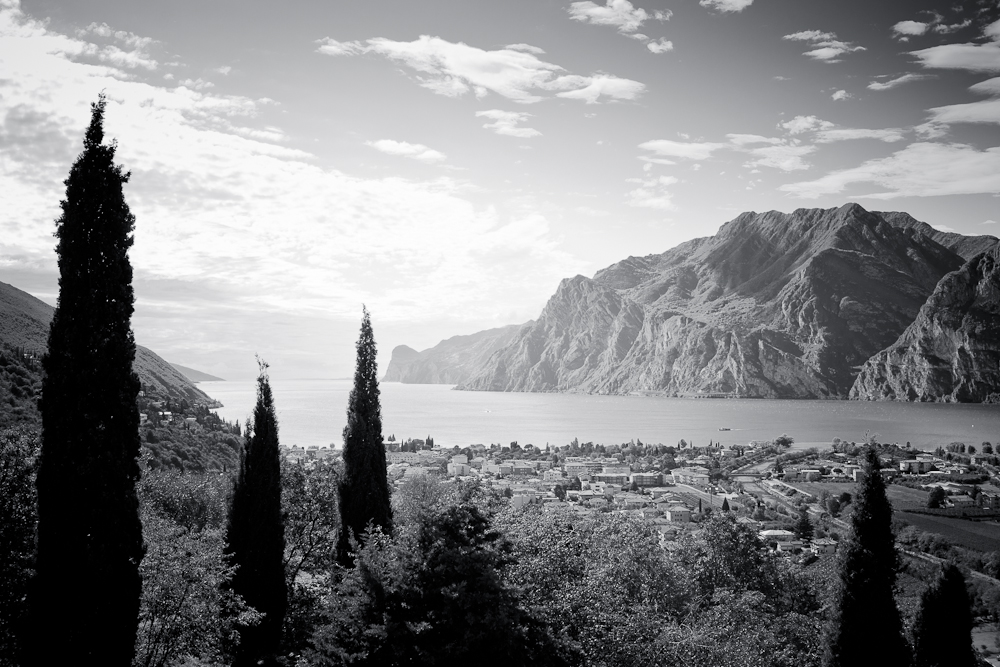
(922, 169)
(653, 193)
(748, 139)
(910, 28)
(592, 88)
(197, 84)
(620, 14)
(725, 6)
(898, 81)
(224, 70)
(267, 233)
(786, 157)
(801, 124)
(679, 149)
(889, 135)
(406, 149)
(454, 69)
(988, 87)
(506, 123)
(989, 222)
(992, 31)
(528, 48)
(828, 47)
(840, 95)
(660, 46)
(972, 57)
(332, 47)
(985, 111)
(943, 29)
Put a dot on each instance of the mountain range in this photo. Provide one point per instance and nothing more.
(774, 305)
(24, 323)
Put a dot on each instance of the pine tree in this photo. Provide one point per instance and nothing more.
(364, 489)
(865, 627)
(255, 535)
(942, 630)
(87, 585)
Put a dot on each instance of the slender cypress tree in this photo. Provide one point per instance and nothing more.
(942, 630)
(255, 533)
(87, 586)
(364, 490)
(865, 627)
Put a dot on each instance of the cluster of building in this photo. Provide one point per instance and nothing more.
(785, 541)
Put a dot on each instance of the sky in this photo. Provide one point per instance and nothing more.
(447, 163)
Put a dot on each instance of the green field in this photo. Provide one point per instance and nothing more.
(978, 535)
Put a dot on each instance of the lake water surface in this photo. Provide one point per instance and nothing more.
(313, 412)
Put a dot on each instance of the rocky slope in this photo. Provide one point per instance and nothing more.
(24, 322)
(774, 305)
(449, 362)
(951, 352)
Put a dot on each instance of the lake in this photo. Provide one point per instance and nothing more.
(313, 412)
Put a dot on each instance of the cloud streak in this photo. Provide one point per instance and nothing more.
(404, 149)
(455, 69)
(827, 48)
(922, 169)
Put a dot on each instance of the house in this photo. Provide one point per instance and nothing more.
(824, 545)
(552, 475)
(990, 501)
(646, 479)
(776, 535)
(916, 466)
(678, 514)
(694, 476)
(962, 500)
(790, 546)
(459, 466)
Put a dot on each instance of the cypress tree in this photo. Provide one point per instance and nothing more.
(804, 527)
(942, 630)
(364, 490)
(865, 627)
(85, 598)
(255, 532)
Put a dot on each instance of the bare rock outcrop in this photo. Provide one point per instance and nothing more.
(449, 362)
(951, 352)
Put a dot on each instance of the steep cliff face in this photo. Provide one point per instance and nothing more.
(773, 305)
(449, 362)
(951, 352)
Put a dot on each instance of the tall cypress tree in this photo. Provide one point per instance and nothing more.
(942, 630)
(255, 534)
(865, 627)
(89, 535)
(364, 490)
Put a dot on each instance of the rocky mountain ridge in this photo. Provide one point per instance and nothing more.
(776, 305)
(951, 351)
(449, 362)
